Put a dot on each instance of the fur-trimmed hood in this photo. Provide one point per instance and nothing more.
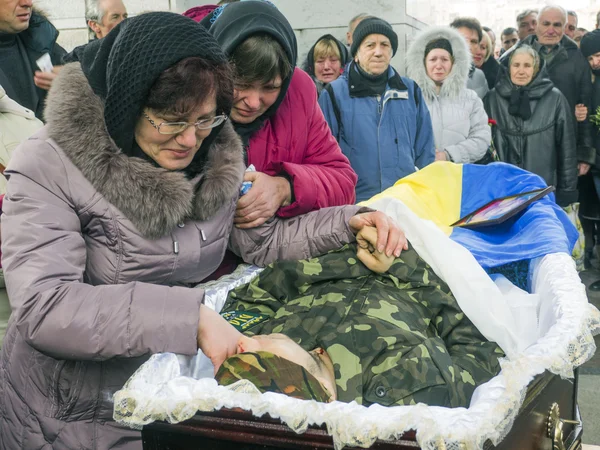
(153, 198)
(415, 64)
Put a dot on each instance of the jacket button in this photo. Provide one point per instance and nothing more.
(181, 225)
(380, 391)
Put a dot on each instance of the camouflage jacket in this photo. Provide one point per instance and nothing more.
(395, 339)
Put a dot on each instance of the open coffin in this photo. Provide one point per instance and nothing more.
(549, 329)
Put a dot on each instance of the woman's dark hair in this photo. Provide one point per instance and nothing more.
(189, 83)
(260, 59)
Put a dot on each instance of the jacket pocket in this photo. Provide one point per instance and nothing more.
(66, 388)
(416, 378)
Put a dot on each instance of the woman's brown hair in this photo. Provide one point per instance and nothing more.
(189, 83)
(260, 59)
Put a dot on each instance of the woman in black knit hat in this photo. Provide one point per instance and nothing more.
(113, 213)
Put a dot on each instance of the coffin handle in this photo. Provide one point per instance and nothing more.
(555, 427)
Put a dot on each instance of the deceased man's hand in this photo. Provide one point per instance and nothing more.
(368, 254)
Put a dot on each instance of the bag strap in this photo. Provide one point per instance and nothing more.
(336, 110)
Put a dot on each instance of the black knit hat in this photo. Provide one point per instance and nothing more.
(590, 43)
(442, 43)
(122, 67)
(373, 25)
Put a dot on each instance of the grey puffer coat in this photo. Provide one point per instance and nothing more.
(100, 253)
(460, 124)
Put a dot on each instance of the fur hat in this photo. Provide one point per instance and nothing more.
(373, 25)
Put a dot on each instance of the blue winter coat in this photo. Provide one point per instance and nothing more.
(384, 137)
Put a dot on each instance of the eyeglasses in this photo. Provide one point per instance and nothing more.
(180, 127)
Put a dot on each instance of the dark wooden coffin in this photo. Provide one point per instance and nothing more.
(544, 423)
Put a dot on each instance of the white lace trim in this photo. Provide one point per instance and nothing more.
(167, 386)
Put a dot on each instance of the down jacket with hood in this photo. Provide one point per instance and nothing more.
(292, 137)
(545, 144)
(309, 63)
(101, 251)
(460, 124)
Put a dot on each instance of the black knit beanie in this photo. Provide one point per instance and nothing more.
(122, 67)
(373, 25)
(590, 43)
(442, 43)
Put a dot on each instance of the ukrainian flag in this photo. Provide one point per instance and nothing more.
(444, 192)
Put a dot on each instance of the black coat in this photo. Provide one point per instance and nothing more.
(39, 38)
(545, 143)
(571, 74)
(593, 111)
(490, 69)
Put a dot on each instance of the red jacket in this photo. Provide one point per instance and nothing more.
(297, 141)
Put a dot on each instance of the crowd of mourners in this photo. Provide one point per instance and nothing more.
(124, 191)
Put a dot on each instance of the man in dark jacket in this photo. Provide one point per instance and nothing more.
(471, 29)
(568, 70)
(25, 36)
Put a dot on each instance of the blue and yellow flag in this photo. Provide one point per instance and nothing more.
(444, 192)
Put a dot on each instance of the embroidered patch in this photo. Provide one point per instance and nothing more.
(244, 320)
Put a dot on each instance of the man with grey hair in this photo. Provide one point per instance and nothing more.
(103, 15)
(571, 24)
(352, 25)
(569, 71)
(526, 23)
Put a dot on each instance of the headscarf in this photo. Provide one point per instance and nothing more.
(309, 64)
(122, 68)
(234, 23)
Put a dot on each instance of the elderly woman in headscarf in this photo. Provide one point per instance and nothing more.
(113, 213)
(299, 164)
(439, 61)
(535, 129)
(325, 61)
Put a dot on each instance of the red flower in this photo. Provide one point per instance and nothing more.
(492, 122)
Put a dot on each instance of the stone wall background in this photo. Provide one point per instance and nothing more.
(310, 18)
(314, 18)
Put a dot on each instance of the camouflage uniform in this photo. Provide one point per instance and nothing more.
(397, 338)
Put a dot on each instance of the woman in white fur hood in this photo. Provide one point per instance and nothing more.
(439, 61)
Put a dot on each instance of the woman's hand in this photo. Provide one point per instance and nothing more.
(390, 237)
(441, 156)
(374, 260)
(262, 201)
(217, 338)
(583, 168)
(581, 112)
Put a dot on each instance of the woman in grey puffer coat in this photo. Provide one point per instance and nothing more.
(439, 61)
(113, 213)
